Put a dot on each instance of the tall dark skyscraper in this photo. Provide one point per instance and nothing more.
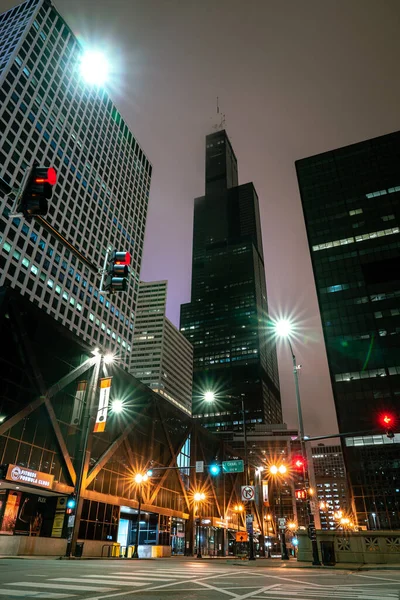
(226, 320)
(351, 203)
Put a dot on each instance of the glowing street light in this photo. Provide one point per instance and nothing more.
(209, 396)
(139, 479)
(199, 497)
(109, 358)
(283, 328)
(117, 406)
(94, 67)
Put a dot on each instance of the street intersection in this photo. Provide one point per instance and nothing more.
(188, 579)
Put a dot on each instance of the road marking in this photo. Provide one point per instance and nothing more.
(99, 581)
(150, 574)
(146, 578)
(27, 593)
(372, 577)
(62, 586)
(217, 589)
(159, 587)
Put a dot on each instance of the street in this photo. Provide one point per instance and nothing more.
(188, 579)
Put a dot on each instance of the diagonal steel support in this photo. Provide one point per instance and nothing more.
(105, 457)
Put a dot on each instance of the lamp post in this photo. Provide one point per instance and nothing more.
(277, 472)
(238, 510)
(268, 520)
(199, 497)
(139, 479)
(283, 329)
(209, 396)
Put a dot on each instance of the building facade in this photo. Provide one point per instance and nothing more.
(351, 204)
(49, 114)
(227, 318)
(162, 358)
(47, 374)
(331, 485)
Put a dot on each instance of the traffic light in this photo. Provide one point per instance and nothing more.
(37, 190)
(117, 272)
(71, 505)
(300, 494)
(298, 463)
(215, 469)
(388, 423)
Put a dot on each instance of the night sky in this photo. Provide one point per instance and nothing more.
(294, 78)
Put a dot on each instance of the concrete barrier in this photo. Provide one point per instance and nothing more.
(362, 547)
(19, 545)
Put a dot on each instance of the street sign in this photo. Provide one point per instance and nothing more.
(312, 533)
(282, 523)
(199, 466)
(313, 506)
(242, 536)
(233, 466)
(249, 523)
(248, 493)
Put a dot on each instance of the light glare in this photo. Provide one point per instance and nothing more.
(94, 67)
(282, 469)
(109, 358)
(209, 396)
(117, 406)
(273, 469)
(283, 328)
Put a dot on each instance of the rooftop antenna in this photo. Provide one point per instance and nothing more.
(220, 120)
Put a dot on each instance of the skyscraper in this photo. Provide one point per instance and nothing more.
(331, 484)
(48, 113)
(226, 320)
(162, 358)
(351, 204)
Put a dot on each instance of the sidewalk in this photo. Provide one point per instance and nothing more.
(266, 563)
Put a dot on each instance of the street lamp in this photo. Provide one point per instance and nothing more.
(284, 329)
(276, 472)
(117, 406)
(268, 519)
(199, 498)
(94, 67)
(139, 479)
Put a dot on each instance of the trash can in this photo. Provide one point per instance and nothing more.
(79, 549)
(328, 553)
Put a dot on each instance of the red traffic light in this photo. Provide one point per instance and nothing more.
(298, 463)
(387, 420)
(122, 258)
(50, 176)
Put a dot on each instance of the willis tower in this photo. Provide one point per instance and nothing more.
(227, 318)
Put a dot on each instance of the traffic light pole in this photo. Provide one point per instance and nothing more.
(311, 526)
(84, 456)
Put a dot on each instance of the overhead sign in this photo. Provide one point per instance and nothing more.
(199, 466)
(233, 466)
(23, 475)
(242, 536)
(248, 493)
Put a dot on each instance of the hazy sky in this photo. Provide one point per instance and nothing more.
(294, 78)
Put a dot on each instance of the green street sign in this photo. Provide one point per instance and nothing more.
(233, 466)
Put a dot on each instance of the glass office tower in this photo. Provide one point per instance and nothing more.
(351, 204)
(48, 113)
(227, 318)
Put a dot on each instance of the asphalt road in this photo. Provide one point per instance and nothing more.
(188, 579)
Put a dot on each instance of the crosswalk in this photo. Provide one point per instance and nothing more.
(306, 591)
(108, 580)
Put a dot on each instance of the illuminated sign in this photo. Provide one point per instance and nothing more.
(23, 475)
